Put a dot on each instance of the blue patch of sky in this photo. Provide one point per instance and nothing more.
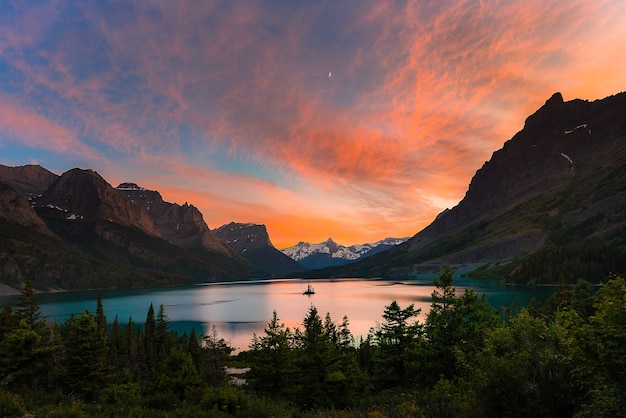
(11, 79)
(18, 154)
(247, 166)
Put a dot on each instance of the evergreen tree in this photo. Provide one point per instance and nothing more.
(24, 356)
(272, 370)
(148, 342)
(216, 352)
(178, 381)
(101, 318)
(85, 369)
(28, 305)
(118, 351)
(162, 341)
(397, 340)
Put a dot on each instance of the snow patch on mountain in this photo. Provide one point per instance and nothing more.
(304, 250)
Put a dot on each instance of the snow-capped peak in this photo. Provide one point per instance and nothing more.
(332, 250)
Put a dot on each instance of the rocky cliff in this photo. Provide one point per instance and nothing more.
(15, 208)
(84, 194)
(80, 233)
(253, 241)
(181, 225)
(558, 183)
(28, 180)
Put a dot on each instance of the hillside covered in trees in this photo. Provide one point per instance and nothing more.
(564, 357)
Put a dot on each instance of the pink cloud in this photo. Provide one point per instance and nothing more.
(33, 130)
(421, 95)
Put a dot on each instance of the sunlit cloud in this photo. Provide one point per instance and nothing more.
(229, 105)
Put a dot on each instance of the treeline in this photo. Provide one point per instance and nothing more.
(589, 260)
(565, 357)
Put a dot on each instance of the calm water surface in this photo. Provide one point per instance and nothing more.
(237, 310)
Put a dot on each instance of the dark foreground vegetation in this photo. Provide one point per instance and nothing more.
(565, 357)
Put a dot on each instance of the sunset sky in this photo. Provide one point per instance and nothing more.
(358, 119)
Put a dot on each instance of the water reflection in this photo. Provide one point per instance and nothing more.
(237, 310)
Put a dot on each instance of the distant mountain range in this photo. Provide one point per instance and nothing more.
(329, 253)
(549, 206)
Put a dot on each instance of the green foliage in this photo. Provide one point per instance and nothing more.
(454, 324)
(590, 260)
(11, 405)
(598, 350)
(85, 370)
(396, 342)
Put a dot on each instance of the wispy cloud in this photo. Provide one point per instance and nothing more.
(420, 95)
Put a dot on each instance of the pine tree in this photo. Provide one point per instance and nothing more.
(85, 363)
(101, 318)
(28, 305)
(272, 369)
(397, 339)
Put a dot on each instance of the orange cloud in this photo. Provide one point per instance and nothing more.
(420, 96)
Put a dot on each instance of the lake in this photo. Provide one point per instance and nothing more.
(239, 309)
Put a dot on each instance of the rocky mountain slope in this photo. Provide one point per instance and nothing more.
(181, 225)
(556, 190)
(329, 253)
(28, 180)
(253, 241)
(81, 233)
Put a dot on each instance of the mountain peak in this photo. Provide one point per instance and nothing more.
(329, 253)
(129, 186)
(549, 112)
(244, 236)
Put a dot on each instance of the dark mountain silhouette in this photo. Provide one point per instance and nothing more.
(253, 241)
(556, 189)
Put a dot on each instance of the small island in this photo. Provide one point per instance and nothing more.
(309, 290)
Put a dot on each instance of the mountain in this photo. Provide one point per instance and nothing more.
(253, 241)
(27, 180)
(16, 209)
(551, 202)
(81, 233)
(84, 194)
(329, 253)
(182, 226)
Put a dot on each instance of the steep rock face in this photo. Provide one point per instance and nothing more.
(253, 241)
(84, 194)
(560, 181)
(561, 143)
(27, 180)
(183, 226)
(244, 236)
(15, 208)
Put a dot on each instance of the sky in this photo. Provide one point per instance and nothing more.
(351, 119)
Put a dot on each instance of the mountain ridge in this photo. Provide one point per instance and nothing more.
(329, 253)
(560, 182)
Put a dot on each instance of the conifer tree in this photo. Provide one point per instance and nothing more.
(85, 363)
(272, 369)
(28, 305)
(101, 318)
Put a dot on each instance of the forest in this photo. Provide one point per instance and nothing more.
(563, 357)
